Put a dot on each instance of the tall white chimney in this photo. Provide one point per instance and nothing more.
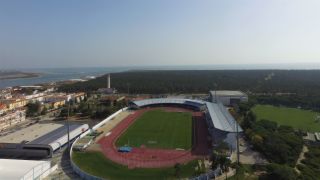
(109, 81)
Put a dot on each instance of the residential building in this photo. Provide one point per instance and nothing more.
(12, 118)
(3, 108)
(15, 103)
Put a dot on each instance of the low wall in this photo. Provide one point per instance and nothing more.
(41, 170)
(75, 168)
(108, 118)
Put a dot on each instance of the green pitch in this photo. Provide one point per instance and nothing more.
(297, 118)
(96, 164)
(159, 129)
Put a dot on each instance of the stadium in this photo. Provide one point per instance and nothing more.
(157, 133)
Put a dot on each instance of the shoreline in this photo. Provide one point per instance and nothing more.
(19, 75)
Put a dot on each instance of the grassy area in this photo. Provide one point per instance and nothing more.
(96, 164)
(297, 118)
(244, 172)
(311, 164)
(160, 129)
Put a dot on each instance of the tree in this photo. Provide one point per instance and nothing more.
(64, 112)
(257, 140)
(281, 172)
(224, 164)
(33, 109)
(177, 170)
(220, 160)
(44, 111)
(248, 120)
(268, 125)
(214, 158)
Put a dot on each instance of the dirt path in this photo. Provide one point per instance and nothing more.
(301, 157)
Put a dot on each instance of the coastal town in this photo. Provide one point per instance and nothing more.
(31, 104)
(16, 103)
(158, 90)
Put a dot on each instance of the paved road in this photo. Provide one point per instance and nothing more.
(64, 171)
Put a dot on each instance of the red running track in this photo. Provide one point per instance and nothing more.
(153, 158)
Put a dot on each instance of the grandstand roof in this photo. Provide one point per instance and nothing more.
(55, 134)
(221, 118)
(147, 102)
(29, 133)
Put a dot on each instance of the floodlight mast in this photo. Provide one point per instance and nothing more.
(215, 92)
(238, 152)
(68, 125)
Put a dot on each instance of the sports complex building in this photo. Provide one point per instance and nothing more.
(26, 153)
(212, 124)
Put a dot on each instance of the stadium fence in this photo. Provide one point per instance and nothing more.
(75, 168)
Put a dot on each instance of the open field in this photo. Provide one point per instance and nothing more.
(159, 129)
(297, 118)
(96, 164)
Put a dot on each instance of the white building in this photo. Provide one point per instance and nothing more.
(13, 169)
(35, 97)
(228, 97)
(11, 119)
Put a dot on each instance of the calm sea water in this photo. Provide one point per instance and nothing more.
(60, 74)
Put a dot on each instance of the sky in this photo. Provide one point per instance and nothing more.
(107, 33)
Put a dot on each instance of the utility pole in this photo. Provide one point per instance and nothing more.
(215, 92)
(238, 152)
(68, 125)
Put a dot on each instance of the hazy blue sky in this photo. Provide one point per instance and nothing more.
(71, 33)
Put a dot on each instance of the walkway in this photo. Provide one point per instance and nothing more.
(301, 157)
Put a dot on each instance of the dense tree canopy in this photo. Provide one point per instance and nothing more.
(33, 109)
(279, 144)
(278, 87)
(310, 167)
(280, 172)
(200, 81)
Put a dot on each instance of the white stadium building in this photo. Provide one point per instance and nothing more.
(228, 98)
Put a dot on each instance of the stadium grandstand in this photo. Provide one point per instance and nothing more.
(221, 125)
(194, 104)
(220, 118)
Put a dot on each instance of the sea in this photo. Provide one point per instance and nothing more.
(48, 75)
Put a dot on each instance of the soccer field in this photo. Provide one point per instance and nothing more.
(297, 118)
(159, 129)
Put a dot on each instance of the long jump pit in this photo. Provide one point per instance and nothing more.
(143, 156)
